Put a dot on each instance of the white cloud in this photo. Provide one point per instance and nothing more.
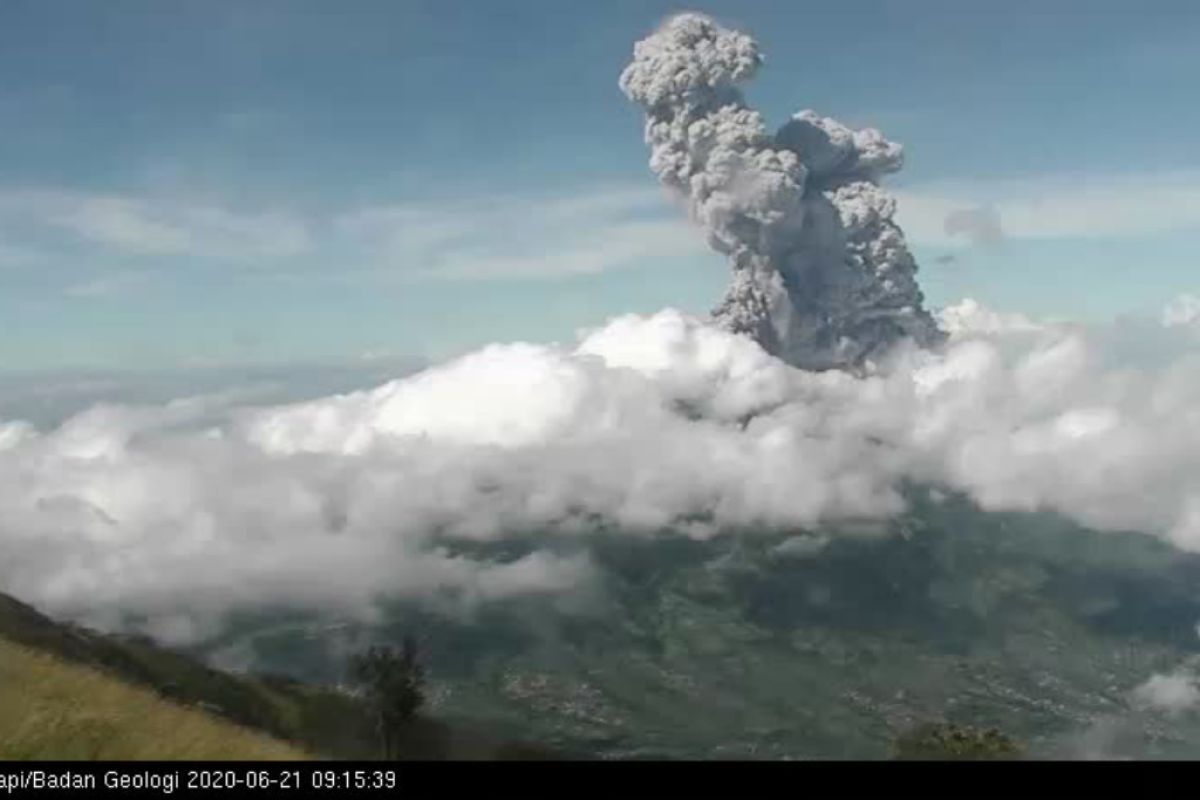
(1173, 694)
(509, 237)
(1183, 311)
(16, 256)
(110, 285)
(590, 231)
(140, 226)
(49, 397)
(186, 511)
(14, 433)
(970, 317)
(1054, 207)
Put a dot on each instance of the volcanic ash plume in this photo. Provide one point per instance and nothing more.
(822, 275)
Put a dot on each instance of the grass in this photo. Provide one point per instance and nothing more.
(52, 709)
(58, 682)
(320, 720)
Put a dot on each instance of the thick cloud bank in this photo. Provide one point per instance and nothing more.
(185, 512)
(822, 275)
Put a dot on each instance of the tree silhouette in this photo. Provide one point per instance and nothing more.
(393, 683)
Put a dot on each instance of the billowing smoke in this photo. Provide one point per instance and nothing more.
(822, 275)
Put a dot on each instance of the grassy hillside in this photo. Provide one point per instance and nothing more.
(63, 672)
(317, 719)
(44, 718)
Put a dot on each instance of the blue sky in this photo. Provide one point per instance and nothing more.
(206, 183)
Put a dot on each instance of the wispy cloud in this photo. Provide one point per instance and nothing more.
(1183, 311)
(509, 237)
(138, 226)
(108, 285)
(500, 237)
(1051, 207)
(1171, 693)
(17, 256)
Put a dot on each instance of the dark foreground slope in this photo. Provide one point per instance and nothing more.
(318, 720)
(80, 674)
(54, 709)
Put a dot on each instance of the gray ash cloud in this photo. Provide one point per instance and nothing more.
(822, 276)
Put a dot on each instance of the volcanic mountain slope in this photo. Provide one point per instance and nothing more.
(800, 646)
